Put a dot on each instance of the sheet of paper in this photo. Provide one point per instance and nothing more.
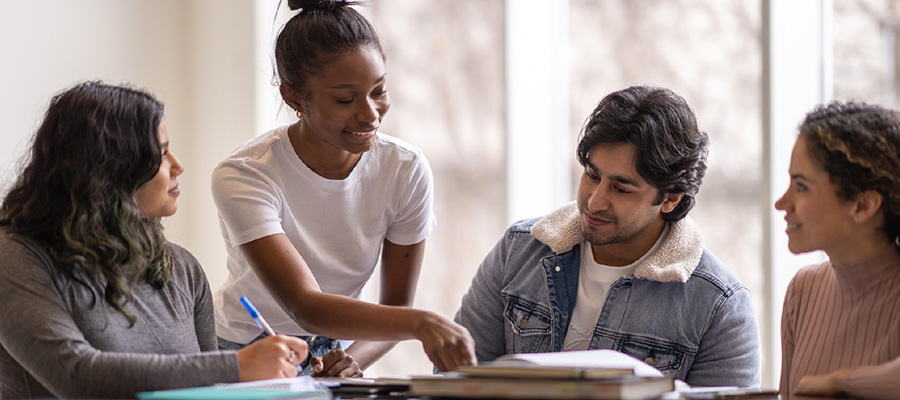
(295, 384)
(587, 359)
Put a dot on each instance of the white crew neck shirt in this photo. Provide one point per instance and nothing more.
(594, 281)
(337, 226)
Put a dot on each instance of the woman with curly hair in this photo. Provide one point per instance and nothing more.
(841, 319)
(94, 301)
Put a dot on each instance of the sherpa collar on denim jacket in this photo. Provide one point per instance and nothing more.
(675, 260)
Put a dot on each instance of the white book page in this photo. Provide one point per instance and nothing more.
(601, 358)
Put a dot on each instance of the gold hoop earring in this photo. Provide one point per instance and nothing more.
(299, 114)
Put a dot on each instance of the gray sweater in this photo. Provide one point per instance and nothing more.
(59, 340)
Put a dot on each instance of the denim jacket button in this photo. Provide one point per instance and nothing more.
(523, 323)
(558, 268)
(649, 360)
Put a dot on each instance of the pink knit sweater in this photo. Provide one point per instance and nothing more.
(845, 317)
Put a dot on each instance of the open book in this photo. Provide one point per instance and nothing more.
(590, 374)
(587, 364)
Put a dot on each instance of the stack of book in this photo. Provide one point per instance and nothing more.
(590, 374)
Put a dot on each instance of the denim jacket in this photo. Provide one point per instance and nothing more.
(683, 311)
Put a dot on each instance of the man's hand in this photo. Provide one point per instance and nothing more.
(336, 363)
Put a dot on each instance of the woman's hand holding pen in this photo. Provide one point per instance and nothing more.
(273, 357)
(276, 356)
(447, 344)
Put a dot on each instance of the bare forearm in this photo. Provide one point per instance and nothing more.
(446, 343)
(342, 317)
(367, 352)
(400, 272)
(285, 274)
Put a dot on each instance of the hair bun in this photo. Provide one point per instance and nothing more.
(310, 5)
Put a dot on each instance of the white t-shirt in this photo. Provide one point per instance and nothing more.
(337, 226)
(594, 281)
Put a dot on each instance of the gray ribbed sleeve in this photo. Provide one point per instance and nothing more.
(59, 339)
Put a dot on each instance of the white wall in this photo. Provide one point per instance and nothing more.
(220, 89)
(49, 45)
(194, 55)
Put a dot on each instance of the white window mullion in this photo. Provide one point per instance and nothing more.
(539, 142)
(797, 75)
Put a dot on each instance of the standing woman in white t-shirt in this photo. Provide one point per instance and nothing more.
(307, 209)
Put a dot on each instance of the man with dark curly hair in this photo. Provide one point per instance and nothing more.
(623, 267)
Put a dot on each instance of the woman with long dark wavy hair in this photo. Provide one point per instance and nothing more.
(94, 301)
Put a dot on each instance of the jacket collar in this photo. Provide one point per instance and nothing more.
(675, 260)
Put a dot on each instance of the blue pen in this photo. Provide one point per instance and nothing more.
(260, 321)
